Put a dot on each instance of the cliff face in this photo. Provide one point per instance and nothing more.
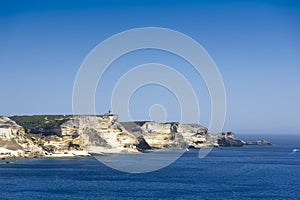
(14, 143)
(197, 136)
(9, 129)
(98, 135)
(83, 135)
(171, 135)
(101, 134)
(160, 136)
(228, 140)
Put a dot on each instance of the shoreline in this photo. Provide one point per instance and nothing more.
(61, 136)
(14, 160)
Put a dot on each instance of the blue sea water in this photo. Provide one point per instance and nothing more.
(251, 172)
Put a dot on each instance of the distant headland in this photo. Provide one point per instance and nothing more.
(84, 135)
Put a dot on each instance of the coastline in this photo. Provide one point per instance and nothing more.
(65, 136)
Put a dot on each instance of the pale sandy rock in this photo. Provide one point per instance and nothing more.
(68, 154)
(194, 134)
(13, 139)
(191, 128)
(101, 131)
(167, 135)
(155, 127)
(85, 135)
(8, 153)
(165, 140)
(9, 129)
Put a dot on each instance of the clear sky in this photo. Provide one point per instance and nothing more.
(255, 44)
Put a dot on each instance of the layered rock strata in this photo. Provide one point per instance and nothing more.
(69, 136)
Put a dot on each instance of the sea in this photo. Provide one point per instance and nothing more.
(250, 172)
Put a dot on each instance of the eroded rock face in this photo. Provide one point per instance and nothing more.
(171, 135)
(155, 127)
(81, 135)
(196, 135)
(228, 140)
(76, 136)
(9, 129)
(160, 135)
(187, 135)
(101, 134)
(165, 140)
(14, 143)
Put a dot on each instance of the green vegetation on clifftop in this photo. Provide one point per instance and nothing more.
(31, 123)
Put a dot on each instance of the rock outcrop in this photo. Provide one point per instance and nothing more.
(9, 129)
(171, 135)
(159, 135)
(228, 140)
(259, 142)
(196, 136)
(69, 136)
(13, 141)
(101, 134)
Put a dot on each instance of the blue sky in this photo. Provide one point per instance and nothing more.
(255, 45)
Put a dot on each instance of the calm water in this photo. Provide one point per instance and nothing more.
(226, 173)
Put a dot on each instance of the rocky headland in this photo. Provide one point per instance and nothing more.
(74, 136)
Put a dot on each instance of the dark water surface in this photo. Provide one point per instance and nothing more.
(252, 172)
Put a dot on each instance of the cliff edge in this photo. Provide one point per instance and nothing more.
(71, 136)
